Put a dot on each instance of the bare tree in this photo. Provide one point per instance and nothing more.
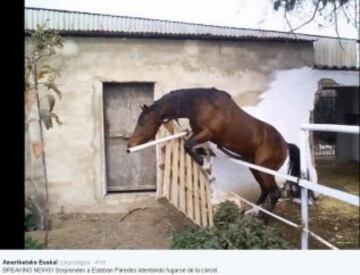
(328, 10)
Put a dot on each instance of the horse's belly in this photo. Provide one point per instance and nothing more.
(236, 178)
(233, 177)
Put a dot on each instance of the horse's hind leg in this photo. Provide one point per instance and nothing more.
(264, 191)
(268, 182)
(263, 195)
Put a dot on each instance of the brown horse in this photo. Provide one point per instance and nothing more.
(215, 117)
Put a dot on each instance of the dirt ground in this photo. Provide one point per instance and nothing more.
(151, 226)
(148, 227)
(331, 219)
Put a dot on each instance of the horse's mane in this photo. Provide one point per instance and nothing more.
(180, 100)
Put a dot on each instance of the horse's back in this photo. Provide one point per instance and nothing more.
(210, 93)
(220, 109)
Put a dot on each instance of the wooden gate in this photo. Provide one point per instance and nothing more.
(126, 172)
(182, 184)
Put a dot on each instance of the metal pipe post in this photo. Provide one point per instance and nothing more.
(304, 191)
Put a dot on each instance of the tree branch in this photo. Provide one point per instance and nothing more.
(308, 21)
(288, 23)
(346, 15)
(336, 27)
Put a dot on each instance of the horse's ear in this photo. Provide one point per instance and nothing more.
(144, 107)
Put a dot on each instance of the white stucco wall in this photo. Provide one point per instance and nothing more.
(286, 104)
(75, 151)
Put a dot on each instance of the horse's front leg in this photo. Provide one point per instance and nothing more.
(195, 139)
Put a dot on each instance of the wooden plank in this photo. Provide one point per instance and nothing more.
(209, 205)
(167, 169)
(185, 186)
(204, 213)
(159, 180)
(170, 127)
(160, 153)
(196, 193)
(131, 187)
(175, 174)
(182, 177)
(189, 188)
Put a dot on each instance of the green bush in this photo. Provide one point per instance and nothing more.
(227, 213)
(196, 239)
(31, 243)
(29, 221)
(232, 230)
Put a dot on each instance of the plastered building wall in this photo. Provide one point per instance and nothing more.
(75, 151)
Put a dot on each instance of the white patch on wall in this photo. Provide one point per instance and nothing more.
(286, 104)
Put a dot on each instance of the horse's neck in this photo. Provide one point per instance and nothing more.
(172, 109)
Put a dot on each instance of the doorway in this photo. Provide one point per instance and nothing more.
(126, 172)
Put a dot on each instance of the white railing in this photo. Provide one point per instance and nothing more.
(157, 141)
(303, 182)
(331, 128)
(305, 128)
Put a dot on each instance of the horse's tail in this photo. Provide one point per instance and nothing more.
(295, 169)
(294, 155)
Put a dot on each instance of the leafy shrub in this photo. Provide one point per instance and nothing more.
(196, 239)
(31, 243)
(232, 230)
(29, 221)
(227, 213)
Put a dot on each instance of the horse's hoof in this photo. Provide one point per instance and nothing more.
(206, 166)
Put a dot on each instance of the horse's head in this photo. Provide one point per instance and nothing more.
(146, 128)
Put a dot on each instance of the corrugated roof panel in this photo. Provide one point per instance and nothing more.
(331, 52)
(28, 20)
(328, 52)
(81, 22)
(76, 22)
(67, 21)
(113, 23)
(96, 24)
(61, 18)
(105, 22)
(87, 22)
(90, 23)
(109, 24)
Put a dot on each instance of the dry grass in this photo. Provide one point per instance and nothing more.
(332, 219)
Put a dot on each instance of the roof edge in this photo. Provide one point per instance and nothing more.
(315, 37)
(168, 36)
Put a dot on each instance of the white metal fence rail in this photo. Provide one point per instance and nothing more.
(317, 237)
(305, 128)
(303, 182)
